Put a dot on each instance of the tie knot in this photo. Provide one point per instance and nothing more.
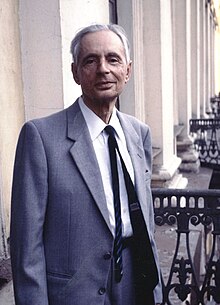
(110, 130)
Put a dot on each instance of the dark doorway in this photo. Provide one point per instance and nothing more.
(113, 17)
(215, 180)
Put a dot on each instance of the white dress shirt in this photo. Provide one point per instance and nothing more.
(100, 143)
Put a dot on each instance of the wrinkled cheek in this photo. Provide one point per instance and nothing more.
(87, 84)
(120, 87)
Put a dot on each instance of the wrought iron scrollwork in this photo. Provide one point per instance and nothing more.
(187, 211)
(206, 139)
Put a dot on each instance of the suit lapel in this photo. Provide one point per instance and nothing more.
(136, 153)
(83, 154)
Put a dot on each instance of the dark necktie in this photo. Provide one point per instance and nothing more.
(117, 204)
(146, 274)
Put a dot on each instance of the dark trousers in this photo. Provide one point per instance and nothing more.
(123, 293)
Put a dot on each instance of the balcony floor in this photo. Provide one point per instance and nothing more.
(200, 180)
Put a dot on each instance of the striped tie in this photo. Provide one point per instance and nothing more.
(112, 145)
(145, 269)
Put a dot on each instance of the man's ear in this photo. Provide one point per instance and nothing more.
(75, 73)
(128, 72)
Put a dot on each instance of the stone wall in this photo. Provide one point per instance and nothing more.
(11, 102)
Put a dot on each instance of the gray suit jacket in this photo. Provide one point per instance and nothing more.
(60, 230)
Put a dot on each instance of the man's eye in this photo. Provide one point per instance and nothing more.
(89, 61)
(113, 60)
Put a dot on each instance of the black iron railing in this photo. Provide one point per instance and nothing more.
(206, 133)
(194, 217)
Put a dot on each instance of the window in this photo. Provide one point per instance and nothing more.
(113, 11)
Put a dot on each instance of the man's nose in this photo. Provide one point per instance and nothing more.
(103, 66)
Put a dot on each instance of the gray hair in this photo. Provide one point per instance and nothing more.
(118, 30)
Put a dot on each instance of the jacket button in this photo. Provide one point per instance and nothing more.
(107, 255)
(102, 291)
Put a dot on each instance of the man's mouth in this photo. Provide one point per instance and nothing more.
(104, 84)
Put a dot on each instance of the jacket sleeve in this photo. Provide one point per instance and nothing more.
(29, 200)
(148, 157)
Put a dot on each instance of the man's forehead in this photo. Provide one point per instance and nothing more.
(102, 35)
(100, 41)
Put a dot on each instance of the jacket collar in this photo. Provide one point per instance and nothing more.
(136, 152)
(83, 154)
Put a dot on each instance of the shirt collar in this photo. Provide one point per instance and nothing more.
(114, 122)
(96, 125)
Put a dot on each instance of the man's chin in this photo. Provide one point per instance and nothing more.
(106, 98)
(101, 98)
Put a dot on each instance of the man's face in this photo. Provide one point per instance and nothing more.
(102, 70)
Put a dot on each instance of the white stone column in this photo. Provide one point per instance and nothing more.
(205, 63)
(212, 53)
(183, 61)
(11, 109)
(130, 17)
(202, 59)
(185, 27)
(41, 57)
(158, 77)
(198, 40)
(217, 52)
(194, 16)
(208, 76)
(47, 28)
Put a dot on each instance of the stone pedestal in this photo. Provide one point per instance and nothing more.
(168, 177)
(190, 157)
(3, 237)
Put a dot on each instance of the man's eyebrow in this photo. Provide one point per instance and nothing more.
(97, 55)
(114, 54)
(90, 55)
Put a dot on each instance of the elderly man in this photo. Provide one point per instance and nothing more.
(82, 219)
